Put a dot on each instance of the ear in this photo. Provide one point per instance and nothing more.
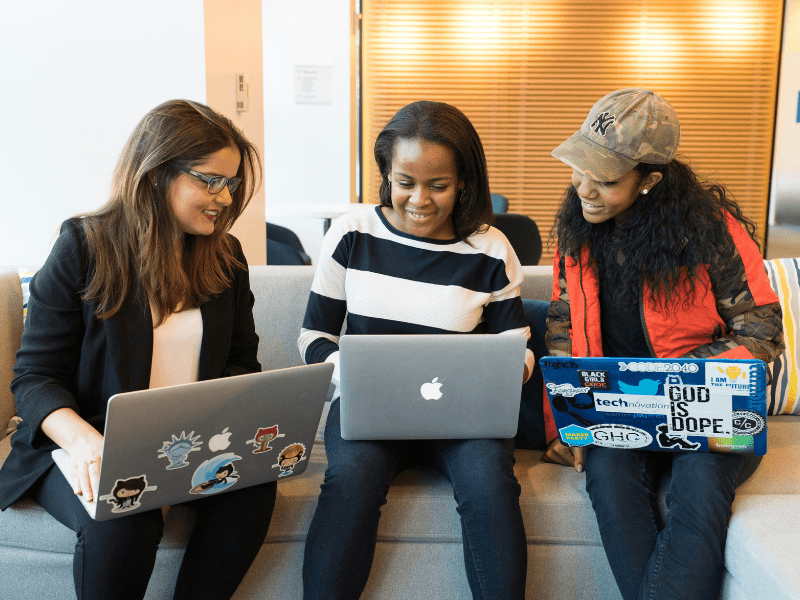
(649, 181)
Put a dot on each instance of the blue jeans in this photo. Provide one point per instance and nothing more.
(531, 433)
(341, 539)
(681, 557)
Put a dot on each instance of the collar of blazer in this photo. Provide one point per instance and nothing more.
(129, 334)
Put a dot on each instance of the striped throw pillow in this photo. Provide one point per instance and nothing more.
(24, 281)
(784, 275)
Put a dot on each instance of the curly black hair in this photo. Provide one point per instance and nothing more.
(676, 228)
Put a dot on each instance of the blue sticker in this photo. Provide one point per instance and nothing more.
(177, 450)
(575, 435)
(215, 475)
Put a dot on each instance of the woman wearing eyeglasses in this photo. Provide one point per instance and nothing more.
(148, 291)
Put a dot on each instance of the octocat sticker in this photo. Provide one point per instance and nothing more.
(289, 457)
(215, 475)
(263, 437)
(126, 493)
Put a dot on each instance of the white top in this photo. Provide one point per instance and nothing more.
(176, 349)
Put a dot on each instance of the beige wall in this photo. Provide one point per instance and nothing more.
(233, 45)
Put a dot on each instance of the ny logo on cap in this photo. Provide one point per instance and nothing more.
(602, 122)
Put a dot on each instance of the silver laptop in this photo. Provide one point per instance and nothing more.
(430, 386)
(180, 443)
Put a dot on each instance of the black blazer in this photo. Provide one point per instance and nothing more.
(70, 358)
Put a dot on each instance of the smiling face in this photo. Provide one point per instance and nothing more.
(193, 206)
(425, 188)
(602, 201)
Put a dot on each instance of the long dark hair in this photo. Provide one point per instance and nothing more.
(443, 124)
(133, 237)
(674, 229)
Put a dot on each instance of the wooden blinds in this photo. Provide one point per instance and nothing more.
(526, 73)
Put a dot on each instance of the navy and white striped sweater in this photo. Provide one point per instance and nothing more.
(384, 281)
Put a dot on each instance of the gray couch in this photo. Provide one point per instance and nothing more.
(419, 547)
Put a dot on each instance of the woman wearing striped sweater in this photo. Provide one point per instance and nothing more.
(424, 261)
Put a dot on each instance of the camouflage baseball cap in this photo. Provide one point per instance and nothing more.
(623, 129)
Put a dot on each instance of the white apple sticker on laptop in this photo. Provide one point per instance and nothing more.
(220, 442)
(432, 390)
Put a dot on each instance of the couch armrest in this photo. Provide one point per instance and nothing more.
(762, 553)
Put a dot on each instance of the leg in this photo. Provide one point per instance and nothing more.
(622, 487)
(487, 495)
(531, 432)
(688, 558)
(113, 559)
(341, 538)
(229, 532)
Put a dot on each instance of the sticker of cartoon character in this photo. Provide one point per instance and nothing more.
(126, 493)
(263, 437)
(665, 440)
(215, 474)
(177, 450)
(289, 457)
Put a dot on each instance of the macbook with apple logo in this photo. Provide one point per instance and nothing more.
(175, 444)
(454, 386)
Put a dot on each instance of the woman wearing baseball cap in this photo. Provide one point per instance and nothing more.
(652, 262)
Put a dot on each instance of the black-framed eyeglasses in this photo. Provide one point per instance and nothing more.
(216, 183)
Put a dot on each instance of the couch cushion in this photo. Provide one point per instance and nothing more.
(784, 275)
(762, 553)
(778, 472)
(420, 505)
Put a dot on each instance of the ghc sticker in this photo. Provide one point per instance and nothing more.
(620, 436)
(575, 435)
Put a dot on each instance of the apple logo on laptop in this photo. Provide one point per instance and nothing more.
(431, 391)
(219, 441)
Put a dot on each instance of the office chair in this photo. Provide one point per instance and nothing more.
(522, 234)
(284, 247)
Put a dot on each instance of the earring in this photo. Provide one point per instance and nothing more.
(644, 191)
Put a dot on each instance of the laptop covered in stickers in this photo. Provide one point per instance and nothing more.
(668, 405)
(413, 387)
(175, 444)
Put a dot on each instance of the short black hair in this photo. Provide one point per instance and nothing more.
(443, 124)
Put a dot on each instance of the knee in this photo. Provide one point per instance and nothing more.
(360, 478)
(133, 535)
(489, 482)
(609, 470)
(703, 499)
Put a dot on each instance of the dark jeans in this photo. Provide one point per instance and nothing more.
(114, 559)
(531, 433)
(680, 558)
(343, 533)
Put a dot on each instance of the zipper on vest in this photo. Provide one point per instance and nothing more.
(583, 297)
(644, 326)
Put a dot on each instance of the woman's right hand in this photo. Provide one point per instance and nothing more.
(85, 454)
(83, 443)
(569, 456)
